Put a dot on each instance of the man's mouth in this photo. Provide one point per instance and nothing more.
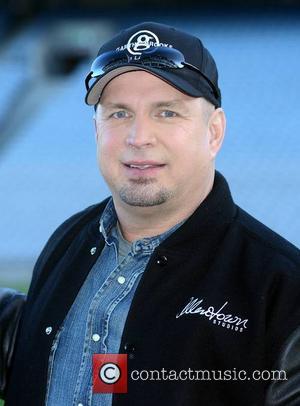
(146, 167)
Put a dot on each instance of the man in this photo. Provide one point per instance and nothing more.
(168, 270)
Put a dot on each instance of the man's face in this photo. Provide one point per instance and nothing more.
(154, 142)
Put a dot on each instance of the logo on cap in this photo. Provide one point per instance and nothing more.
(142, 40)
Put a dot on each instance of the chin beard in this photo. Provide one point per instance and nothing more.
(144, 194)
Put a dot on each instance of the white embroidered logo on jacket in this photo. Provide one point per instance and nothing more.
(215, 316)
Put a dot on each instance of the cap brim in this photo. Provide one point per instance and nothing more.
(170, 76)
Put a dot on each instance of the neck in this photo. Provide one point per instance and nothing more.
(140, 222)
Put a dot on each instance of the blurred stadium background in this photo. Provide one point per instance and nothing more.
(48, 166)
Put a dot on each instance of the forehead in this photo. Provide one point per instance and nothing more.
(140, 84)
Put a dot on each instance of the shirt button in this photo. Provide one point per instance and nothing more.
(93, 250)
(162, 260)
(95, 337)
(121, 280)
(48, 330)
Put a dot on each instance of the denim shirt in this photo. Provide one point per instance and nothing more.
(95, 322)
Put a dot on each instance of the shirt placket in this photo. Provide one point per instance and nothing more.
(93, 342)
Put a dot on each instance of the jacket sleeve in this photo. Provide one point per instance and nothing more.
(285, 391)
(11, 306)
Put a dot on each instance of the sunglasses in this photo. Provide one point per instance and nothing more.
(154, 57)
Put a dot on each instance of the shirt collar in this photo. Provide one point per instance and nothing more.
(108, 219)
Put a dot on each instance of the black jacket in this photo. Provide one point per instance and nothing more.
(245, 283)
(11, 306)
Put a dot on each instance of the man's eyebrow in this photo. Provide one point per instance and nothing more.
(170, 103)
(120, 106)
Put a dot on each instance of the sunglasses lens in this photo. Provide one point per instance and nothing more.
(170, 56)
(107, 60)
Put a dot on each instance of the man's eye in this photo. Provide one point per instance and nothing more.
(168, 114)
(120, 114)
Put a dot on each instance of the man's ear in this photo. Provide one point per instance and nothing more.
(216, 128)
(95, 124)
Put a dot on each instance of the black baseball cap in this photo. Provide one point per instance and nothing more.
(178, 58)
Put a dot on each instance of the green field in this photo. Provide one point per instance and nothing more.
(21, 286)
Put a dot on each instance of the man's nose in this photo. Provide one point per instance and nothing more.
(141, 133)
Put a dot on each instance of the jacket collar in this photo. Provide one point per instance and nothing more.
(204, 228)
